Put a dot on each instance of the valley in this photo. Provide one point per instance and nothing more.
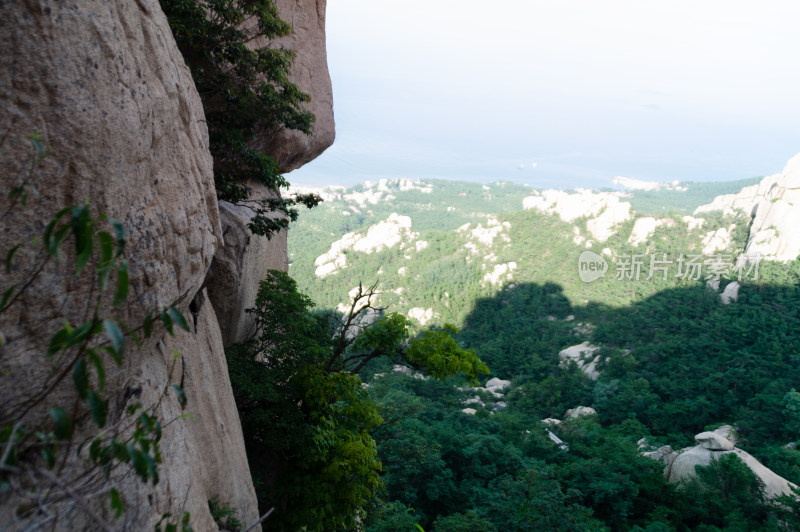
(615, 323)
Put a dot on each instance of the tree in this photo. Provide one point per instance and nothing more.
(306, 416)
(242, 90)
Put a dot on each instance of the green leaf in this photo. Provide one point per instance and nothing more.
(10, 257)
(119, 232)
(106, 246)
(99, 368)
(95, 451)
(80, 334)
(122, 284)
(81, 378)
(6, 296)
(57, 341)
(49, 458)
(99, 409)
(114, 334)
(177, 317)
(82, 230)
(51, 240)
(140, 464)
(116, 503)
(167, 322)
(181, 395)
(147, 326)
(62, 422)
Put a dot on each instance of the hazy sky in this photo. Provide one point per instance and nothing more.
(561, 93)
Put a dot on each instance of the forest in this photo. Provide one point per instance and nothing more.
(673, 361)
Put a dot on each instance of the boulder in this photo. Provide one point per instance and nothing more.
(713, 441)
(292, 149)
(727, 432)
(663, 454)
(495, 384)
(584, 356)
(730, 293)
(711, 446)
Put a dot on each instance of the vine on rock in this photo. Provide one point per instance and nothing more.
(53, 456)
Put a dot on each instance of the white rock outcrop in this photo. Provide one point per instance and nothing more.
(584, 356)
(501, 273)
(604, 209)
(481, 236)
(717, 240)
(580, 411)
(774, 205)
(395, 230)
(421, 315)
(693, 223)
(643, 229)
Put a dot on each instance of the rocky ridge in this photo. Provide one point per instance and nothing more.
(774, 207)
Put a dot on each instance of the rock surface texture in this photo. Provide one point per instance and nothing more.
(105, 85)
(239, 266)
(774, 205)
(293, 149)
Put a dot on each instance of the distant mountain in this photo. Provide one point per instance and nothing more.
(436, 246)
(617, 325)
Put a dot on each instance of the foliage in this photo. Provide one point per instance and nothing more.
(306, 417)
(224, 515)
(673, 361)
(243, 90)
(37, 467)
(661, 202)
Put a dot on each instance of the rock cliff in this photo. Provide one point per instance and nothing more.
(105, 85)
(292, 149)
(244, 259)
(774, 206)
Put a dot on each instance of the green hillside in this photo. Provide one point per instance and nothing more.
(659, 202)
(672, 360)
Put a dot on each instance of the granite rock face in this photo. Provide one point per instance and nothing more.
(240, 265)
(244, 259)
(293, 149)
(680, 466)
(774, 206)
(105, 85)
